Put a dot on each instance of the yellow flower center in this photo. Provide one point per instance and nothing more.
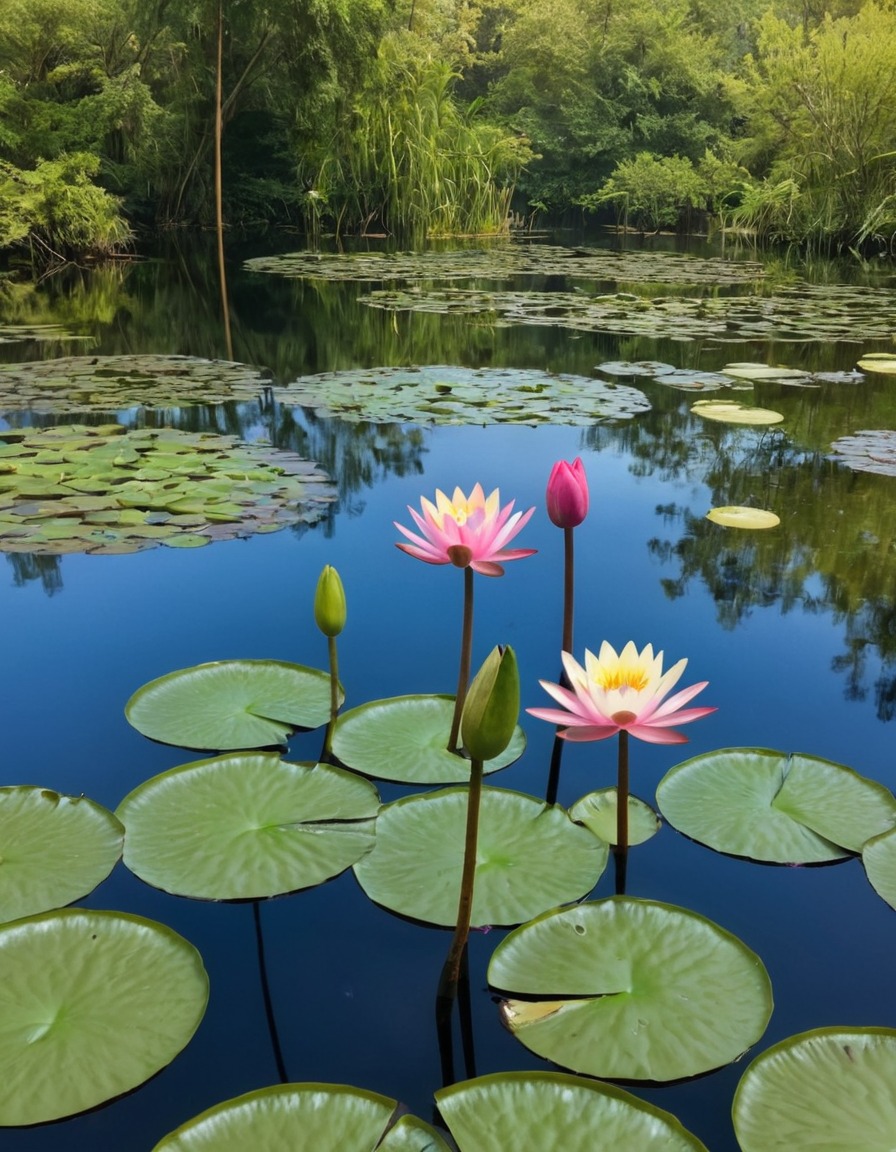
(612, 679)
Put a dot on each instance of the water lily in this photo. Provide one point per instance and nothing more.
(466, 531)
(624, 693)
(627, 692)
(567, 494)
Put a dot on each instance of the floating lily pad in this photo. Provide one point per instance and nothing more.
(652, 368)
(405, 739)
(53, 849)
(687, 380)
(231, 704)
(92, 1004)
(597, 811)
(541, 1110)
(451, 395)
(830, 1089)
(878, 362)
(322, 1117)
(631, 989)
(246, 826)
(730, 412)
(879, 858)
(774, 806)
(868, 451)
(106, 489)
(754, 372)
(415, 867)
(72, 384)
(734, 516)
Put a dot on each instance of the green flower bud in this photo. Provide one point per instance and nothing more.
(329, 603)
(492, 706)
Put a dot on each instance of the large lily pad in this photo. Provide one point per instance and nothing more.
(868, 451)
(105, 489)
(247, 825)
(884, 362)
(542, 1110)
(92, 1004)
(442, 394)
(830, 1089)
(107, 383)
(318, 1117)
(765, 372)
(631, 989)
(879, 858)
(415, 867)
(53, 849)
(230, 704)
(730, 412)
(405, 739)
(774, 806)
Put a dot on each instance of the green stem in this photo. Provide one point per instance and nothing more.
(568, 586)
(326, 754)
(466, 646)
(451, 971)
(622, 794)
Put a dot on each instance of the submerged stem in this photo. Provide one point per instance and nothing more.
(451, 970)
(463, 676)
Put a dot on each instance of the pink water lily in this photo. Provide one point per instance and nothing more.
(567, 493)
(628, 692)
(466, 531)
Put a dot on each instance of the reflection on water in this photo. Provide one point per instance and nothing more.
(795, 628)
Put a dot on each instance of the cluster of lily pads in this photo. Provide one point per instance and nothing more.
(619, 988)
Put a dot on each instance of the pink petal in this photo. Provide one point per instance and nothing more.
(682, 697)
(656, 735)
(421, 554)
(591, 732)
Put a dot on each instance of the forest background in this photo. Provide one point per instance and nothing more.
(418, 118)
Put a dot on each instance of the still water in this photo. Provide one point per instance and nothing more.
(794, 629)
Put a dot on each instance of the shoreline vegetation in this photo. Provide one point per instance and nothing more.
(421, 119)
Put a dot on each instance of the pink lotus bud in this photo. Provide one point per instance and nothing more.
(567, 495)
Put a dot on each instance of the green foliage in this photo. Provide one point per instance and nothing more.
(409, 161)
(57, 208)
(651, 192)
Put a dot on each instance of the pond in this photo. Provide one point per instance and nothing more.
(793, 627)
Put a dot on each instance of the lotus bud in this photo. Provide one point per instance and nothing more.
(492, 706)
(329, 603)
(567, 495)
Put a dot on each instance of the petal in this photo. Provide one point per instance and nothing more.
(558, 716)
(590, 732)
(667, 707)
(685, 717)
(419, 554)
(486, 568)
(656, 735)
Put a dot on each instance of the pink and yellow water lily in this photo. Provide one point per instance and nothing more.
(466, 531)
(620, 692)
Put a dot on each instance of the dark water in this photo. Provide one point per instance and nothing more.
(794, 629)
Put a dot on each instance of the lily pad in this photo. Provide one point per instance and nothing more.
(734, 516)
(884, 362)
(405, 739)
(451, 395)
(529, 1110)
(322, 1117)
(114, 994)
(231, 704)
(730, 412)
(72, 384)
(868, 451)
(829, 1089)
(597, 811)
(54, 849)
(246, 826)
(879, 858)
(774, 806)
(106, 489)
(631, 989)
(754, 372)
(416, 864)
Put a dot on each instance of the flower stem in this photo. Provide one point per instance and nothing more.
(466, 647)
(622, 794)
(568, 588)
(326, 753)
(451, 970)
